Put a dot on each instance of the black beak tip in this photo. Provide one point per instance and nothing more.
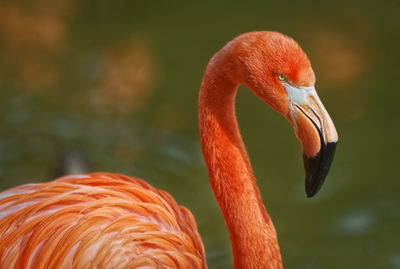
(313, 184)
(317, 168)
(310, 193)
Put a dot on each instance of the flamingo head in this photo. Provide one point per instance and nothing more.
(277, 70)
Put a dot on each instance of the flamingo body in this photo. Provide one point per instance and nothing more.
(98, 220)
(113, 221)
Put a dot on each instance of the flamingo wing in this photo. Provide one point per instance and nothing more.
(99, 220)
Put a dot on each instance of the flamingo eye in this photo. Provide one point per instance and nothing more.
(282, 77)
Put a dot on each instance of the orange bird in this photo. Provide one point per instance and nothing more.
(105, 220)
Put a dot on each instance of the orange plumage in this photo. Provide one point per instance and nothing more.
(98, 220)
(113, 221)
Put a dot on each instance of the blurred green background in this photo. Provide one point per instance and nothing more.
(118, 81)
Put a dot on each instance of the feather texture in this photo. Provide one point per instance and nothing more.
(99, 220)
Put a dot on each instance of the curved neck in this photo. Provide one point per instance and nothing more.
(252, 234)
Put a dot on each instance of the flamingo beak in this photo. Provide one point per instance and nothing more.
(316, 132)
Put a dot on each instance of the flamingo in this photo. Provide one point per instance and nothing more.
(104, 220)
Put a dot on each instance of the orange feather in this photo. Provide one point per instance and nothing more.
(97, 220)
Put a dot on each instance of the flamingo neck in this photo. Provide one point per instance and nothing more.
(252, 234)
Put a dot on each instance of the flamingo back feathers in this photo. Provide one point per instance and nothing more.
(96, 221)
